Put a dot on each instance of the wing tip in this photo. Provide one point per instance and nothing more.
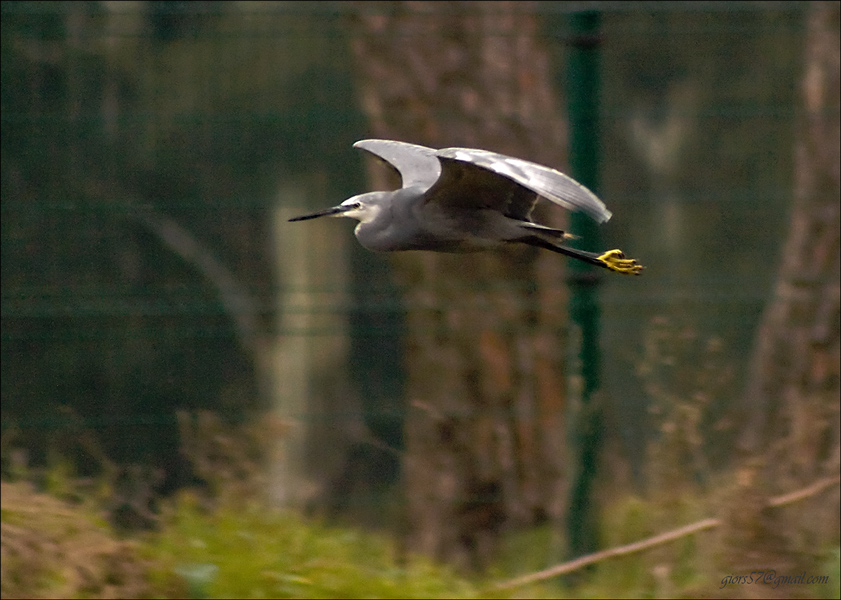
(363, 143)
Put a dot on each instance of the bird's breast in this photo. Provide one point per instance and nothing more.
(434, 231)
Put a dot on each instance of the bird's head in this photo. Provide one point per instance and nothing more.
(364, 208)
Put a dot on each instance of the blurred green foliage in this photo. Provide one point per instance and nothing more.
(244, 549)
(260, 553)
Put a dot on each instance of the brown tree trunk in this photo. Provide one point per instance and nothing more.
(794, 380)
(485, 342)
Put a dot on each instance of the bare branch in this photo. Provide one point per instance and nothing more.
(238, 302)
(657, 540)
(589, 559)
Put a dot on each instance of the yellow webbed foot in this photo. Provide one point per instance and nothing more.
(615, 261)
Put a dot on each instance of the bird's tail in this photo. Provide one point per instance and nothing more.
(542, 230)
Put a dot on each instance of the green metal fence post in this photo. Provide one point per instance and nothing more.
(583, 97)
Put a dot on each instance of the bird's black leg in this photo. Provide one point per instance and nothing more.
(613, 260)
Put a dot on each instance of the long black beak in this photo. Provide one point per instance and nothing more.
(336, 210)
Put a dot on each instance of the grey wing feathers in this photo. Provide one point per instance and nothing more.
(548, 183)
(418, 165)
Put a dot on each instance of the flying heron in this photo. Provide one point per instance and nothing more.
(464, 200)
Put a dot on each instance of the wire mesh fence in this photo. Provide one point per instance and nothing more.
(152, 152)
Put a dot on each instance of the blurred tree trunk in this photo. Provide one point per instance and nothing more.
(486, 332)
(794, 380)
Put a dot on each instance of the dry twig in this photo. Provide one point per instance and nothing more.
(657, 540)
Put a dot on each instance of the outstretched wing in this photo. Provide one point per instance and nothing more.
(417, 165)
(545, 182)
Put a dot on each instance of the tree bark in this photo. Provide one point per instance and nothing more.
(485, 332)
(794, 380)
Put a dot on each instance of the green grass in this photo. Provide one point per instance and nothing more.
(58, 548)
(255, 553)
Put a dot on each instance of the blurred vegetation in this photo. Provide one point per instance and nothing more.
(54, 547)
(219, 539)
(259, 553)
(222, 539)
